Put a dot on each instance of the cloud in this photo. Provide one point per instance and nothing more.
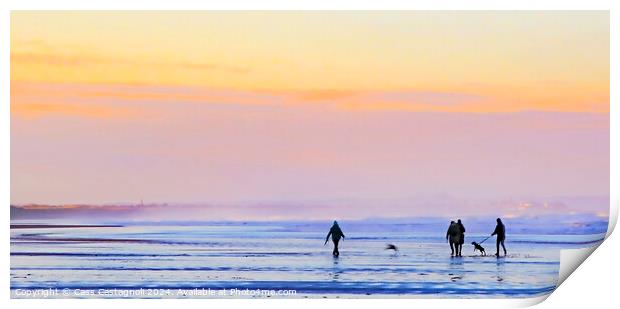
(324, 95)
(401, 100)
(103, 97)
(130, 94)
(83, 59)
(403, 96)
(126, 94)
(423, 97)
(33, 110)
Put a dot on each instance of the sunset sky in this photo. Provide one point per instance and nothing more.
(247, 107)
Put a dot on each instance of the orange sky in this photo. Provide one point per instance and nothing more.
(512, 61)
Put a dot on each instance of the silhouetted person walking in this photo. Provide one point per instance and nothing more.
(462, 236)
(452, 236)
(500, 231)
(336, 233)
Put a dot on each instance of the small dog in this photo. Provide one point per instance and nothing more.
(391, 247)
(478, 247)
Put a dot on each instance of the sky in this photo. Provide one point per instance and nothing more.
(311, 108)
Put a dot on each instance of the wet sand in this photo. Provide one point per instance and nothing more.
(279, 256)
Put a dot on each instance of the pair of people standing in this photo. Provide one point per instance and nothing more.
(456, 237)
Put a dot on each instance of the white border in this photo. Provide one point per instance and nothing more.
(313, 5)
(570, 291)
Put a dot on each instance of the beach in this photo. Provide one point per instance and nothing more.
(281, 260)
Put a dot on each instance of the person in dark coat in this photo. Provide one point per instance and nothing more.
(462, 236)
(336, 233)
(453, 237)
(500, 231)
